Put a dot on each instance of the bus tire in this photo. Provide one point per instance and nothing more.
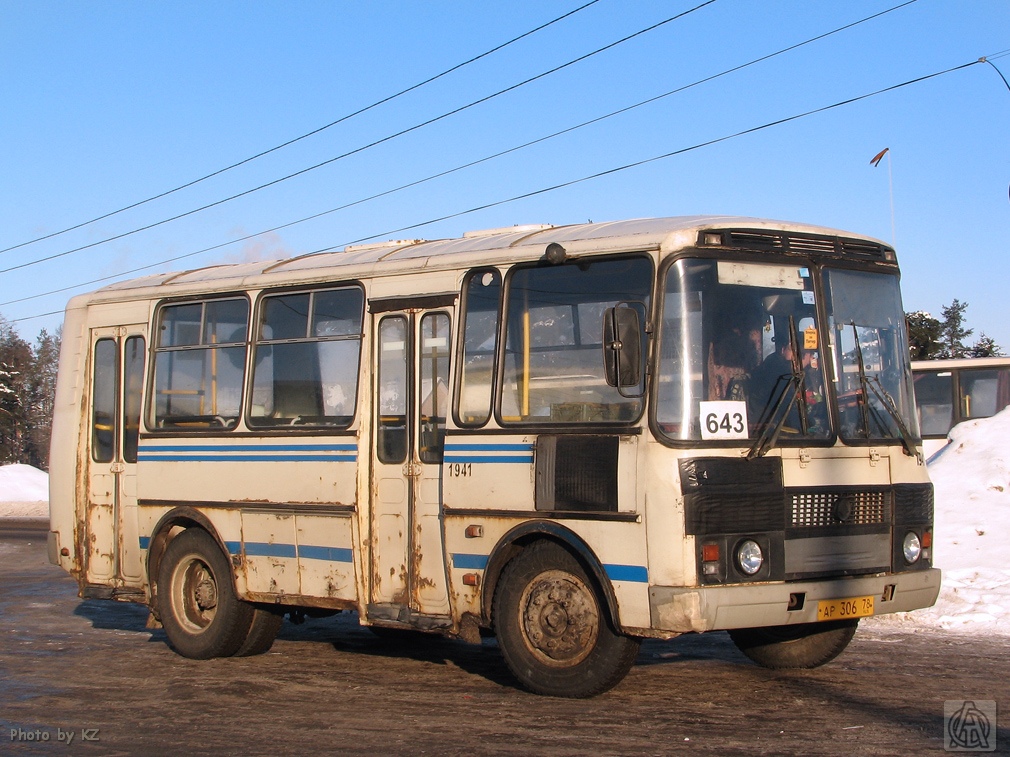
(201, 614)
(266, 623)
(806, 645)
(553, 629)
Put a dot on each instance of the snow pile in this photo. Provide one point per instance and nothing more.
(24, 492)
(971, 480)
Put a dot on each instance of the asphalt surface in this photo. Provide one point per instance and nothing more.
(87, 677)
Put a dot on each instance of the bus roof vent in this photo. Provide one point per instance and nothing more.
(527, 229)
(782, 241)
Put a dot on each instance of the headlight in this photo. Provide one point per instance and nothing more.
(911, 547)
(748, 557)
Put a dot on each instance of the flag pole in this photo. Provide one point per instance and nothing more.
(875, 161)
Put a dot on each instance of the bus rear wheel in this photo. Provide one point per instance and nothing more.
(552, 627)
(201, 614)
(805, 645)
(266, 623)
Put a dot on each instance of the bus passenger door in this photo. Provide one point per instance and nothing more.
(409, 574)
(113, 553)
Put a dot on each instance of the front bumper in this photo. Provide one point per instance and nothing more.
(714, 608)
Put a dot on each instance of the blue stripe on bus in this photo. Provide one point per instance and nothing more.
(636, 573)
(248, 447)
(334, 554)
(469, 562)
(524, 447)
(264, 549)
(487, 459)
(180, 458)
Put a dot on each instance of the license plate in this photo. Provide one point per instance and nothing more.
(839, 609)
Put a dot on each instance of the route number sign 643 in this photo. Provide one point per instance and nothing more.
(724, 420)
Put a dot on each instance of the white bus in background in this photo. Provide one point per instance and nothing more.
(948, 392)
(575, 437)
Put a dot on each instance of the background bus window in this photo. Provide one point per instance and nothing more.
(306, 365)
(482, 294)
(984, 392)
(934, 399)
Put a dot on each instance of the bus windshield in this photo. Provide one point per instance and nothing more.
(739, 354)
(873, 376)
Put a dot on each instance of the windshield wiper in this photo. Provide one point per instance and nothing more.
(792, 391)
(872, 384)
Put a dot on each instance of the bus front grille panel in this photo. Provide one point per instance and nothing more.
(812, 509)
(913, 504)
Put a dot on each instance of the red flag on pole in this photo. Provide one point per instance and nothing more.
(875, 160)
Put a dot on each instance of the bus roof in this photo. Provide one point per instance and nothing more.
(474, 248)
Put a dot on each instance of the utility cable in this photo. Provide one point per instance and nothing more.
(457, 168)
(618, 169)
(340, 120)
(646, 161)
(364, 147)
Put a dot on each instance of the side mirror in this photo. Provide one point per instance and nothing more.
(622, 346)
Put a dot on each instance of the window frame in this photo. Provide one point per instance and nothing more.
(255, 343)
(150, 418)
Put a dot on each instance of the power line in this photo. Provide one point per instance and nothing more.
(646, 161)
(618, 169)
(465, 165)
(340, 120)
(364, 147)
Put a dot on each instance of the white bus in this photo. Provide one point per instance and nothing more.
(948, 392)
(575, 437)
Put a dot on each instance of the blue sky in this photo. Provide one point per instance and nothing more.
(108, 103)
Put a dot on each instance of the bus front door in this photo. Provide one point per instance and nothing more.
(411, 386)
(113, 557)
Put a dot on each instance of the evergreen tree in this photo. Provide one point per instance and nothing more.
(923, 335)
(42, 392)
(953, 331)
(15, 366)
(985, 347)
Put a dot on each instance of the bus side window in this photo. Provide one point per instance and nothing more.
(133, 386)
(199, 364)
(306, 364)
(392, 383)
(103, 404)
(481, 298)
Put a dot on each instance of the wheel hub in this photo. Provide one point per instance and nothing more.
(560, 617)
(206, 594)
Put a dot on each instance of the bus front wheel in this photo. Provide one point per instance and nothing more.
(552, 627)
(806, 645)
(201, 614)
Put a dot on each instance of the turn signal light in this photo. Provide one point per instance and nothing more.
(709, 552)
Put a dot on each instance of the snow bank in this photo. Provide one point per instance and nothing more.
(971, 480)
(24, 492)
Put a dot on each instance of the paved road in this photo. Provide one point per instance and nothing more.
(90, 671)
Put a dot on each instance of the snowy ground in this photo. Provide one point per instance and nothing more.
(24, 492)
(972, 480)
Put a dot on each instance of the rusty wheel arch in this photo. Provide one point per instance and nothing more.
(525, 534)
(172, 523)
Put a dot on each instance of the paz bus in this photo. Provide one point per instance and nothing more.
(948, 392)
(572, 437)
